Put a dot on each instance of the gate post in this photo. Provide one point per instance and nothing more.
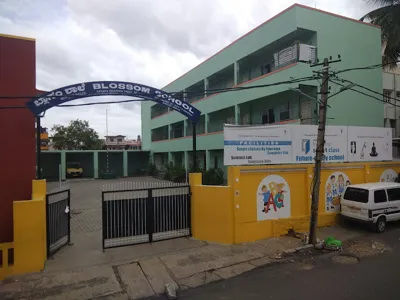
(150, 214)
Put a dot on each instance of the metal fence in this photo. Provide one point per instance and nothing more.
(58, 220)
(144, 212)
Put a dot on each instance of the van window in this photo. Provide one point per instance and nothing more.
(380, 196)
(394, 194)
(356, 195)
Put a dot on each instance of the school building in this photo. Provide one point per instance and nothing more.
(278, 50)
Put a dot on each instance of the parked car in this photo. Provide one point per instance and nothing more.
(74, 170)
(373, 203)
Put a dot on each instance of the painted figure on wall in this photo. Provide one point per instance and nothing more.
(389, 175)
(334, 189)
(273, 198)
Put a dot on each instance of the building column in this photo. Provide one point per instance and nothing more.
(208, 160)
(169, 132)
(235, 73)
(63, 165)
(125, 162)
(185, 124)
(96, 164)
(205, 87)
(185, 158)
(206, 120)
(237, 114)
(184, 96)
(170, 158)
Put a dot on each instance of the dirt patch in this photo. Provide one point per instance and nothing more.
(365, 248)
(345, 259)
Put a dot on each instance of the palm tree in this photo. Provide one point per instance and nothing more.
(387, 16)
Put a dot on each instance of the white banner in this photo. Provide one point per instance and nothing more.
(285, 144)
(257, 145)
(369, 144)
(305, 143)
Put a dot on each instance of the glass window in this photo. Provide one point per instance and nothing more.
(394, 194)
(356, 195)
(268, 116)
(380, 196)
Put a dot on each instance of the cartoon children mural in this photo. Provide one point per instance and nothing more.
(274, 196)
(334, 189)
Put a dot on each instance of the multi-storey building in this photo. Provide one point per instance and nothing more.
(278, 50)
(391, 95)
(44, 139)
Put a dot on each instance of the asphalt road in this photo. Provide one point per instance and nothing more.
(372, 277)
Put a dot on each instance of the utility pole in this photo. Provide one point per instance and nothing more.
(319, 152)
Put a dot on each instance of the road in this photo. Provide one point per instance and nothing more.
(372, 277)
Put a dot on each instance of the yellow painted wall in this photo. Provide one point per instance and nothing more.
(212, 212)
(29, 234)
(6, 269)
(220, 213)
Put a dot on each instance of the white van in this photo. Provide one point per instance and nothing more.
(374, 203)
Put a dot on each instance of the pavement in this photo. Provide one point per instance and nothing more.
(83, 271)
(183, 262)
(368, 269)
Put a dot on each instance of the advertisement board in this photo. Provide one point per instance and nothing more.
(257, 145)
(285, 144)
(369, 144)
(305, 143)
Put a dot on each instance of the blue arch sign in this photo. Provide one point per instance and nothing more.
(110, 88)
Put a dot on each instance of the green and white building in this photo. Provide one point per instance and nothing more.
(272, 52)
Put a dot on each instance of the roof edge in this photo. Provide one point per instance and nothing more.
(10, 36)
(267, 21)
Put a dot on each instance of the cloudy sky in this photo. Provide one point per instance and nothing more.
(145, 41)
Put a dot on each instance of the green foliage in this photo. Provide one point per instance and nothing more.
(175, 173)
(76, 136)
(152, 170)
(213, 177)
(387, 16)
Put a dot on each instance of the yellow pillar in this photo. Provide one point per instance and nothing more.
(30, 251)
(195, 179)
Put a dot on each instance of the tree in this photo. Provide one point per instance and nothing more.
(387, 16)
(76, 136)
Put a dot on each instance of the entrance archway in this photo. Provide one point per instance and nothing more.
(145, 225)
(39, 105)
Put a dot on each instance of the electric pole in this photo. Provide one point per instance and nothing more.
(319, 152)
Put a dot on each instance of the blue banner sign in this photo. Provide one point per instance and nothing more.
(111, 88)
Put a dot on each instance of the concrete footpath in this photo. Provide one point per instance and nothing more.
(192, 264)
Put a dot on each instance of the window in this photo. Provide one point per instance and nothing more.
(386, 96)
(394, 194)
(380, 196)
(265, 69)
(119, 140)
(268, 116)
(215, 162)
(284, 112)
(111, 140)
(356, 195)
(246, 119)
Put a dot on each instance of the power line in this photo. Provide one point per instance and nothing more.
(134, 100)
(367, 67)
(366, 88)
(365, 94)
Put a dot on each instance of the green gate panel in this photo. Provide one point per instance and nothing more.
(50, 165)
(138, 163)
(116, 163)
(85, 159)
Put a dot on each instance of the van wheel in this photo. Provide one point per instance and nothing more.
(380, 225)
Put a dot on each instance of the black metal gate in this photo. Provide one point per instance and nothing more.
(57, 220)
(144, 213)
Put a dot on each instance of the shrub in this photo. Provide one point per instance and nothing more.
(213, 177)
(152, 170)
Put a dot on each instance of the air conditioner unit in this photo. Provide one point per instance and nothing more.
(307, 53)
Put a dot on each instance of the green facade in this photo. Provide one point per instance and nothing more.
(168, 135)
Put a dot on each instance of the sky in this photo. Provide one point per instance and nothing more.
(151, 42)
